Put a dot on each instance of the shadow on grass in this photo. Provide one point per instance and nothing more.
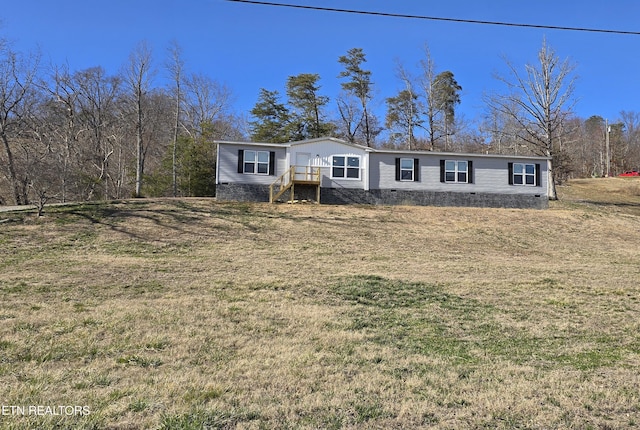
(175, 216)
(630, 207)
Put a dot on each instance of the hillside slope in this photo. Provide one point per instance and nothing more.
(187, 313)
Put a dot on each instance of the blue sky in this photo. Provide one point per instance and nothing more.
(248, 47)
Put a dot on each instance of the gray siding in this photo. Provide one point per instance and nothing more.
(378, 184)
(228, 164)
(490, 174)
(321, 157)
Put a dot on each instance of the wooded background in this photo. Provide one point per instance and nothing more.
(77, 135)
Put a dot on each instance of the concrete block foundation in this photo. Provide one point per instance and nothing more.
(341, 196)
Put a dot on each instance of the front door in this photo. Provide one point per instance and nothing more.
(303, 163)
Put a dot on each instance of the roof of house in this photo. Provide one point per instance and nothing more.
(296, 143)
(458, 154)
(380, 150)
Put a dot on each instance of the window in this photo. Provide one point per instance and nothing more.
(456, 171)
(256, 162)
(345, 167)
(524, 174)
(407, 169)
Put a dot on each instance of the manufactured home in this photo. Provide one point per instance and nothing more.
(329, 170)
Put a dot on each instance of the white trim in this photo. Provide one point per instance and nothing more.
(218, 164)
(364, 170)
(266, 145)
(255, 162)
(456, 172)
(346, 167)
(413, 168)
(524, 175)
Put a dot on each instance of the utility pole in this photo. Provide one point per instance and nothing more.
(608, 158)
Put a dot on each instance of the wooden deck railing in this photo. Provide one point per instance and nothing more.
(283, 182)
(306, 175)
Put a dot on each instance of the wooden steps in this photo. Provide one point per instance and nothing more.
(296, 175)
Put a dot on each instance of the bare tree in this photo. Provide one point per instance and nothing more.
(98, 94)
(17, 78)
(404, 109)
(503, 132)
(543, 100)
(138, 75)
(431, 110)
(631, 127)
(594, 140)
(61, 118)
(175, 67)
(350, 114)
(77, 119)
(206, 101)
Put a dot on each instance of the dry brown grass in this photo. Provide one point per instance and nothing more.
(194, 314)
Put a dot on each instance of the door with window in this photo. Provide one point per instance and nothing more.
(303, 166)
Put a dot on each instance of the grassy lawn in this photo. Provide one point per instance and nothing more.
(192, 314)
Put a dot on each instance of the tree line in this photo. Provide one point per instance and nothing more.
(90, 135)
(533, 115)
(428, 103)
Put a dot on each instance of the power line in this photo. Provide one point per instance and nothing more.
(434, 18)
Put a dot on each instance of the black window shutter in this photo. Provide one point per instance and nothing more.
(538, 176)
(470, 172)
(240, 160)
(397, 169)
(441, 170)
(510, 173)
(272, 163)
(416, 170)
